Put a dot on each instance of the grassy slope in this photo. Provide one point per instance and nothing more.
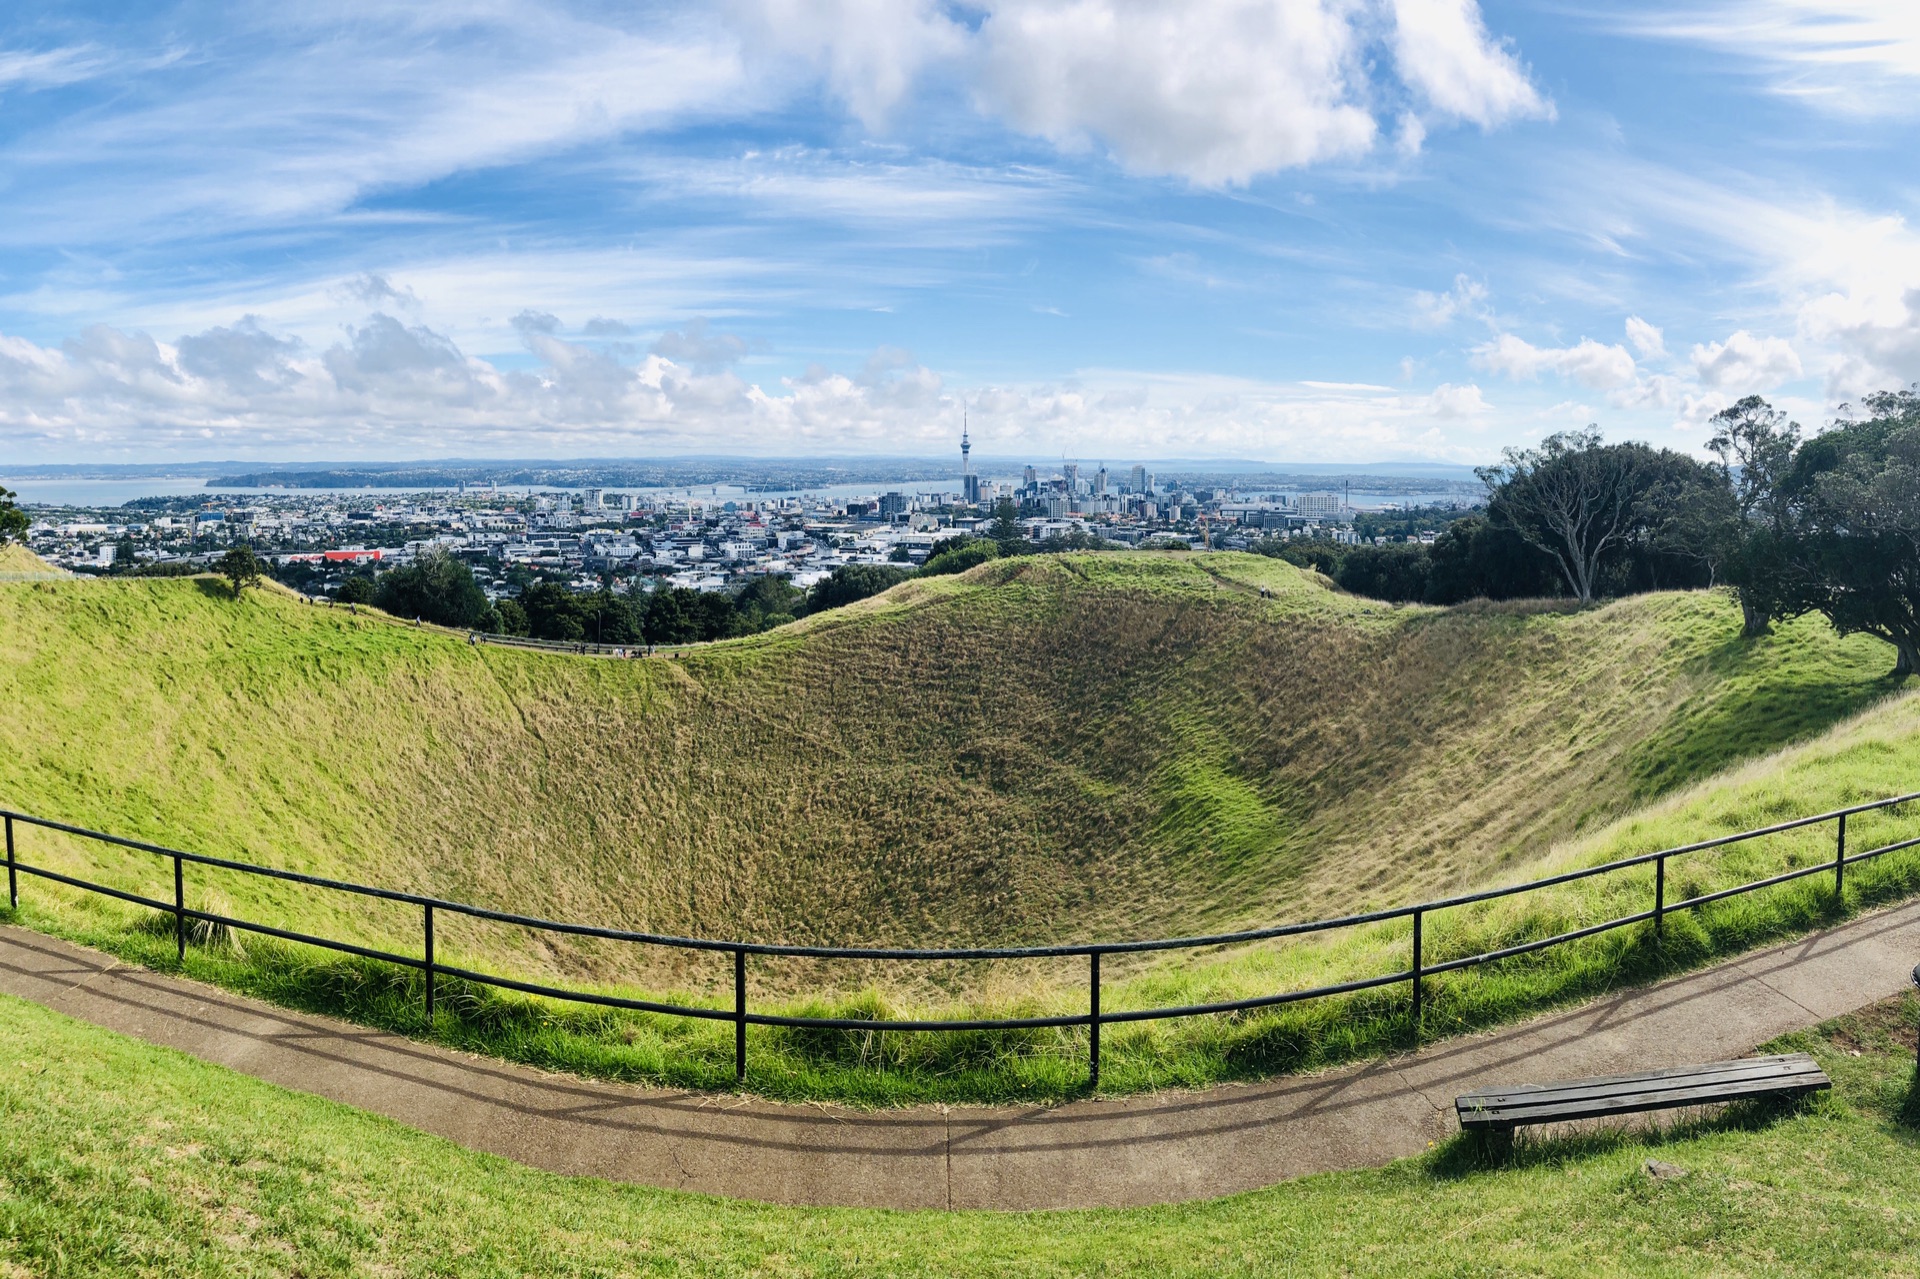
(1058, 748)
(121, 1159)
(15, 559)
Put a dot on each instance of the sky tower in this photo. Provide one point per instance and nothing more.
(969, 482)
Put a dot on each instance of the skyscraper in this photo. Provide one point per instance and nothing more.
(1137, 482)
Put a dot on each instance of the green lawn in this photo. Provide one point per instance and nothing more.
(117, 1158)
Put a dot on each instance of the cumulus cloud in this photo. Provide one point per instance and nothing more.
(386, 387)
(699, 345)
(1587, 362)
(1214, 91)
(1450, 401)
(1744, 363)
(1444, 52)
(1646, 339)
(245, 358)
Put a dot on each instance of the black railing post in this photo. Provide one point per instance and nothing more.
(740, 1015)
(428, 919)
(1093, 1019)
(1660, 898)
(13, 880)
(179, 911)
(1840, 863)
(1417, 966)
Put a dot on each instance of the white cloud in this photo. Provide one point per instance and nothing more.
(390, 388)
(1646, 339)
(868, 51)
(1214, 91)
(50, 68)
(1744, 364)
(1443, 50)
(1449, 401)
(1468, 296)
(1587, 362)
(698, 345)
(1851, 55)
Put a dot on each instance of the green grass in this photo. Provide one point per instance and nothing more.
(122, 1159)
(1068, 748)
(18, 561)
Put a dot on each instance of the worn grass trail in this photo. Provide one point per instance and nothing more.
(1060, 748)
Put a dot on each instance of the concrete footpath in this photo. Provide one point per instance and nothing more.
(1141, 1150)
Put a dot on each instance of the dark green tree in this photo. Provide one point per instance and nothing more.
(1752, 541)
(356, 589)
(437, 587)
(241, 567)
(513, 618)
(957, 555)
(1397, 571)
(852, 582)
(553, 613)
(1856, 546)
(1005, 530)
(13, 520)
(671, 616)
(768, 602)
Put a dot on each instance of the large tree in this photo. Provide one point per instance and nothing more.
(1856, 554)
(438, 588)
(13, 520)
(1575, 498)
(241, 567)
(1751, 543)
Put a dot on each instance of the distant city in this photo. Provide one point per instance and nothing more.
(704, 536)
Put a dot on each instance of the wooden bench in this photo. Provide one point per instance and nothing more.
(1504, 1109)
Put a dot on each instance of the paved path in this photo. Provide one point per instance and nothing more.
(1142, 1150)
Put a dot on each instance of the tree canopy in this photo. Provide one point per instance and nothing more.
(437, 588)
(13, 520)
(241, 567)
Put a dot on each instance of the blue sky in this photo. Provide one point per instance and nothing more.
(1296, 230)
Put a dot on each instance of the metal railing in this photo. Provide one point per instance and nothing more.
(1093, 1019)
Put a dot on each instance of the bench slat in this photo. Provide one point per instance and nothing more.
(1730, 1072)
(1628, 1103)
(1667, 1089)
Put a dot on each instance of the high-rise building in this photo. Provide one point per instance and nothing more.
(590, 499)
(1100, 481)
(1137, 482)
(1071, 470)
(1029, 478)
(892, 504)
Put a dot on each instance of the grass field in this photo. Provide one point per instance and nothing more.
(1060, 748)
(121, 1159)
